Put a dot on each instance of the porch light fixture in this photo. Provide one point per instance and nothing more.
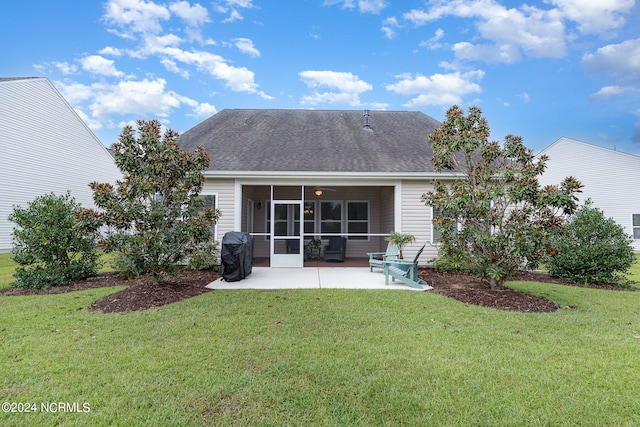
(318, 193)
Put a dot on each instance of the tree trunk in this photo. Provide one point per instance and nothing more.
(494, 283)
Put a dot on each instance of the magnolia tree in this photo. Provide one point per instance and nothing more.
(154, 216)
(494, 217)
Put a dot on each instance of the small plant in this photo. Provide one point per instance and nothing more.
(400, 240)
(315, 243)
(54, 242)
(592, 249)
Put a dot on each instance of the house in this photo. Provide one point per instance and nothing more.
(46, 147)
(611, 179)
(287, 176)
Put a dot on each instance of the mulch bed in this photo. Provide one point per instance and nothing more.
(144, 293)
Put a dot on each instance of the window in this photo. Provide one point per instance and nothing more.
(436, 234)
(358, 220)
(636, 226)
(331, 217)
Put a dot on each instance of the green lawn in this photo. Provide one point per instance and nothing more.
(326, 358)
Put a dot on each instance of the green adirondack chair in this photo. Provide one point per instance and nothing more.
(405, 271)
(377, 259)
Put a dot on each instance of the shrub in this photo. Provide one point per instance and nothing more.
(156, 218)
(54, 242)
(592, 249)
(494, 217)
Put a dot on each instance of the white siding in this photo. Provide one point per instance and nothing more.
(224, 189)
(416, 220)
(45, 148)
(611, 178)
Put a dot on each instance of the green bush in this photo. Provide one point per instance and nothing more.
(54, 242)
(157, 220)
(204, 256)
(592, 249)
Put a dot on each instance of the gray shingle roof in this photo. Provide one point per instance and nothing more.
(314, 140)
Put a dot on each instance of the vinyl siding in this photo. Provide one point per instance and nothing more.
(46, 148)
(416, 220)
(611, 178)
(224, 189)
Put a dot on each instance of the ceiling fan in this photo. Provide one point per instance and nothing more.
(320, 190)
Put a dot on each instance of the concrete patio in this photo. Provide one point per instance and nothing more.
(313, 278)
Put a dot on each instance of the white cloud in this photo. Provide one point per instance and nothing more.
(74, 93)
(204, 110)
(346, 87)
(246, 46)
(364, 6)
(133, 97)
(509, 32)
(609, 91)
(194, 16)
(232, 7)
(99, 65)
(238, 79)
(142, 19)
(173, 67)
(66, 68)
(142, 98)
(109, 50)
(432, 43)
(595, 17)
(622, 60)
(138, 15)
(388, 27)
(345, 82)
(437, 89)
(371, 6)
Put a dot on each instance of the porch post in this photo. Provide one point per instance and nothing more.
(397, 206)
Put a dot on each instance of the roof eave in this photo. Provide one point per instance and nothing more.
(302, 175)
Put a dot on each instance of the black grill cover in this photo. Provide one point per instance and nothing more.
(236, 256)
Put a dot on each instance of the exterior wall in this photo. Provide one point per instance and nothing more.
(224, 190)
(416, 220)
(610, 177)
(45, 148)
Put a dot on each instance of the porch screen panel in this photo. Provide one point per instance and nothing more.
(309, 217)
(358, 220)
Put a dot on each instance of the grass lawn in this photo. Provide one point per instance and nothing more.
(324, 357)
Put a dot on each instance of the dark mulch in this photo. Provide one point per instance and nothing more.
(467, 289)
(144, 293)
(141, 293)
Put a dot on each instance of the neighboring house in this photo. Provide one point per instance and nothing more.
(45, 147)
(611, 179)
(359, 175)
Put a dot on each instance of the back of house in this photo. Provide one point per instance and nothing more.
(301, 175)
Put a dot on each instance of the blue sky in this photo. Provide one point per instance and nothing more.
(538, 69)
